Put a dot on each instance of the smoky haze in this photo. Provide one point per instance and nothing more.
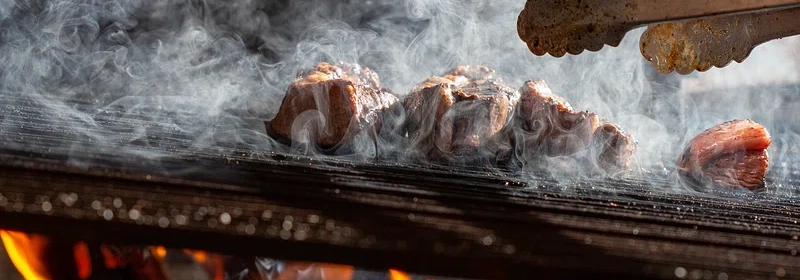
(211, 71)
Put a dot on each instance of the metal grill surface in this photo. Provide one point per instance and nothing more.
(61, 173)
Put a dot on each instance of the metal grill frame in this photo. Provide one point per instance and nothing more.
(426, 225)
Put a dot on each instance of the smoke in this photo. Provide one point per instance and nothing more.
(203, 75)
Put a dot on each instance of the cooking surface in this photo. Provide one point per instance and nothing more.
(165, 143)
(449, 221)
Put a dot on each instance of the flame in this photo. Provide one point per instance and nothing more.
(216, 268)
(144, 267)
(83, 260)
(110, 258)
(336, 271)
(143, 263)
(160, 252)
(24, 251)
(135, 259)
(197, 255)
(395, 274)
(297, 270)
(214, 264)
(27, 252)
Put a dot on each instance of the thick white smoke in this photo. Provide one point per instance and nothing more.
(208, 72)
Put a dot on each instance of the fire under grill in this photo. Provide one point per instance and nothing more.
(439, 220)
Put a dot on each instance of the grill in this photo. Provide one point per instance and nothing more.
(438, 220)
(106, 138)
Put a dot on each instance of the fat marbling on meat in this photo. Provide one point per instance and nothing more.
(459, 113)
(730, 154)
(348, 98)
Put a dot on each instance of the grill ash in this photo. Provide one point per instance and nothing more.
(201, 76)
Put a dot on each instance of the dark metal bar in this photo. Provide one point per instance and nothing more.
(430, 230)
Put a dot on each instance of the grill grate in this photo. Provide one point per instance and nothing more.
(181, 188)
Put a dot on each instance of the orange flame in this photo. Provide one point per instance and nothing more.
(160, 252)
(142, 266)
(83, 260)
(110, 258)
(293, 270)
(29, 254)
(24, 251)
(37, 257)
(197, 255)
(147, 268)
(395, 274)
(213, 264)
(32, 255)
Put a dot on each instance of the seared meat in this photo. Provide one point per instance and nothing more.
(549, 124)
(336, 100)
(459, 113)
(746, 169)
(615, 148)
(425, 110)
(545, 125)
(730, 154)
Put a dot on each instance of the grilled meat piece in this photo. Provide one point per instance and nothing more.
(336, 100)
(615, 148)
(459, 113)
(546, 125)
(729, 154)
(549, 124)
(746, 169)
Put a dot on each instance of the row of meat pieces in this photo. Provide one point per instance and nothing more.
(468, 112)
(465, 113)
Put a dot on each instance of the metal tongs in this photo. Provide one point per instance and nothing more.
(682, 35)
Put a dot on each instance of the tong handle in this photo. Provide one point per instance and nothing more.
(699, 44)
(656, 11)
